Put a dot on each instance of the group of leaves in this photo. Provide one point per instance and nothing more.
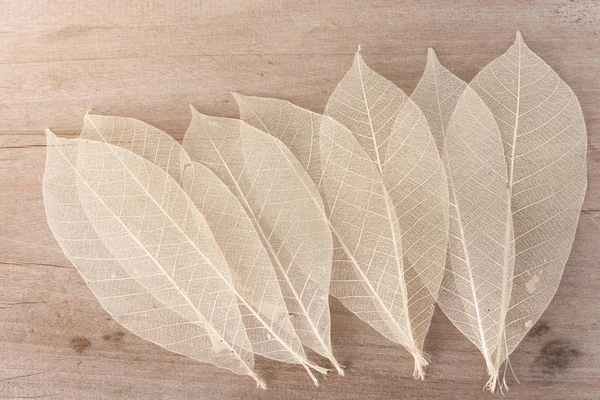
(464, 195)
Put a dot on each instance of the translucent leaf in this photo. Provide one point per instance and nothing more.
(368, 105)
(394, 132)
(286, 210)
(478, 279)
(544, 139)
(477, 285)
(272, 334)
(436, 94)
(140, 138)
(544, 142)
(144, 251)
(368, 274)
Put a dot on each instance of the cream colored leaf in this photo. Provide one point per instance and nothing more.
(286, 210)
(142, 139)
(272, 335)
(544, 142)
(436, 94)
(544, 137)
(466, 298)
(367, 104)
(394, 132)
(367, 273)
(478, 280)
(119, 225)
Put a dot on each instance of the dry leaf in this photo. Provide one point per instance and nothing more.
(367, 274)
(231, 257)
(537, 115)
(286, 210)
(478, 279)
(368, 105)
(269, 327)
(544, 137)
(477, 284)
(394, 132)
(140, 138)
(144, 251)
(436, 94)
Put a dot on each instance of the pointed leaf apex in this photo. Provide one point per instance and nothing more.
(89, 114)
(237, 96)
(51, 139)
(432, 60)
(358, 56)
(49, 133)
(196, 114)
(519, 38)
(239, 100)
(431, 56)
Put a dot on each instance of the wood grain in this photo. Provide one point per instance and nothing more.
(149, 60)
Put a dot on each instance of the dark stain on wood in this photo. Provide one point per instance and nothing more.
(79, 344)
(539, 329)
(115, 336)
(555, 357)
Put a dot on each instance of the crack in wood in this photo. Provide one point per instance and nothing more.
(35, 264)
(21, 376)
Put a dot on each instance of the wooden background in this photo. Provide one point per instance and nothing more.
(149, 60)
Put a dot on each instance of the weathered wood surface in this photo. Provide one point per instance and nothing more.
(149, 60)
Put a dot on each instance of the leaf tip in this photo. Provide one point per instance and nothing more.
(431, 56)
(50, 137)
(195, 113)
(358, 57)
(238, 97)
(88, 116)
(49, 133)
(519, 38)
(240, 100)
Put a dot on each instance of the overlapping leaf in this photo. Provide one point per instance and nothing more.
(286, 210)
(227, 252)
(369, 274)
(394, 132)
(436, 94)
(476, 288)
(478, 279)
(544, 137)
(543, 134)
(144, 251)
(263, 309)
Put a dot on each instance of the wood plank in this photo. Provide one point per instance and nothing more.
(149, 61)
